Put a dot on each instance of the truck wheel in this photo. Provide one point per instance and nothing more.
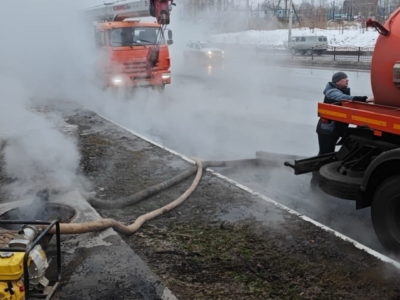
(159, 88)
(385, 213)
(334, 181)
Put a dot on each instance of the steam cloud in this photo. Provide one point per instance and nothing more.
(231, 113)
(45, 58)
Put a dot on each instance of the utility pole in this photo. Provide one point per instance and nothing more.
(290, 20)
(248, 13)
(286, 11)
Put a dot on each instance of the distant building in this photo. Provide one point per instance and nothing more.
(364, 8)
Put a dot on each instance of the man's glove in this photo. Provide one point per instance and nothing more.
(360, 98)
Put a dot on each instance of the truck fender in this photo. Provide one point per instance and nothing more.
(383, 166)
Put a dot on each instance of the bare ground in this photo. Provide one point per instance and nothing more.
(223, 243)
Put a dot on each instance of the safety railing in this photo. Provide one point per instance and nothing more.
(350, 53)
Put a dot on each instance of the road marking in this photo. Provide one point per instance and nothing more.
(355, 243)
(343, 237)
(167, 295)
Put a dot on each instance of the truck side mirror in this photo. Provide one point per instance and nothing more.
(169, 41)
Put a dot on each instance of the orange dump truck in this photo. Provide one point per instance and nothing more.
(366, 168)
(136, 52)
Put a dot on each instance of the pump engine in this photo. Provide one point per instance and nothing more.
(23, 261)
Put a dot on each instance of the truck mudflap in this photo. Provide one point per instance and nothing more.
(311, 164)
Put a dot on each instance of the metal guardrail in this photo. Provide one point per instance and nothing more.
(358, 54)
(344, 53)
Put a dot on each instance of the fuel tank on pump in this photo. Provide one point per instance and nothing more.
(385, 67)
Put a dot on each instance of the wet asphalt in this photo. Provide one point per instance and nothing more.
(248, 107)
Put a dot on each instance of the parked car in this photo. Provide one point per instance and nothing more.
(307, 45)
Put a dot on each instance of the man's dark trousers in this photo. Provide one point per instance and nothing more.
(327, 143)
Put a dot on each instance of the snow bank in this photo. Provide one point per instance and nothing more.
(355, 37)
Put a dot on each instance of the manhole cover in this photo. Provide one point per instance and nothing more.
(46, 212)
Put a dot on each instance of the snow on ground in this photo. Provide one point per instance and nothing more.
(354, 37)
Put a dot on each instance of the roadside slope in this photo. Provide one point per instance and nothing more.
(223, 242)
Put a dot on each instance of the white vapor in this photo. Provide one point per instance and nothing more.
(46, 56)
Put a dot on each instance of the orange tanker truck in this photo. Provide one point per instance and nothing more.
(136, 52)
(366, 168)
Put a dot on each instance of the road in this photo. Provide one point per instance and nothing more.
(242, 109)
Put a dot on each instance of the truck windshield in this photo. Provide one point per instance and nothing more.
(133, 36)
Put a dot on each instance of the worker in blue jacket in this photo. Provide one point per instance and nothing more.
(330, 131)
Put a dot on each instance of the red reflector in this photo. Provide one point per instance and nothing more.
(377, 133)
(324, 121)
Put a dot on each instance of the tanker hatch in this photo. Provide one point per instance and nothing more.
(396, 74)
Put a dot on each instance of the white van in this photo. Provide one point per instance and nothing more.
(307, 45)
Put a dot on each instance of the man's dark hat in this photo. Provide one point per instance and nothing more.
(338, 76)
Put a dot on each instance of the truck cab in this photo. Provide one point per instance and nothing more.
(138, 54)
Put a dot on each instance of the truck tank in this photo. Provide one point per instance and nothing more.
(385, 73)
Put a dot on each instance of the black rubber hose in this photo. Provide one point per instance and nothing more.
(143, 194)
(152, 190)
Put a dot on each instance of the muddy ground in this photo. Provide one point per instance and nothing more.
(223, 242)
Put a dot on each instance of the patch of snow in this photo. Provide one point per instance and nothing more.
(353, 37)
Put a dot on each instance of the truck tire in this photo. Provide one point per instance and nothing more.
(332, 182)
(159, 88)
(385, 213)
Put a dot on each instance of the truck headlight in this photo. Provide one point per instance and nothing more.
(209, 53)
(117, 80)
(165, 76)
